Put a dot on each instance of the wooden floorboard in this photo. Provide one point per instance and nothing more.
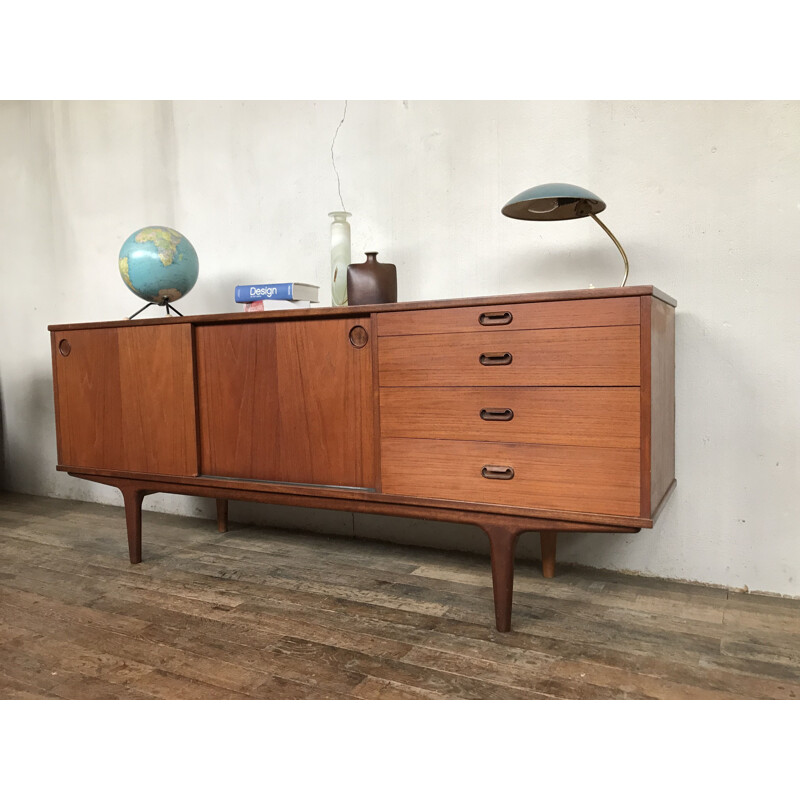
(269, 614)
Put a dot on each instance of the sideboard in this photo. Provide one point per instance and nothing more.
(534, 412)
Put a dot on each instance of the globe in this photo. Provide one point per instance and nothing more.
(158, 264)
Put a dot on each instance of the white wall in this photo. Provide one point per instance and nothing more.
(705, 198)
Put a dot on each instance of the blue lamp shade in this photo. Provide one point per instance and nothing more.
(552, 201)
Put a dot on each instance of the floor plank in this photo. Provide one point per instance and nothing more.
(266, 614)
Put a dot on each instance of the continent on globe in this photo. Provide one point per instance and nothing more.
(165, 239)
(158, 264)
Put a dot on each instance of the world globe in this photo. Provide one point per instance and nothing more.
(158, 264)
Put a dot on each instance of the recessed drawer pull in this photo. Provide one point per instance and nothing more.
(495, 318)
(498, 473)
(497, 414)
(495, 359)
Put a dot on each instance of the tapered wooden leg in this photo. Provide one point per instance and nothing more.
(548, 542)
(502, 542)
(133, 519)
(222, 516)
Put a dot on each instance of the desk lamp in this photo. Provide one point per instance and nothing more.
(552, 201)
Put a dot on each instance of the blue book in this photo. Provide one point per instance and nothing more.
(277, 291)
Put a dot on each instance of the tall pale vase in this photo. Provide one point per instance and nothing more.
(340, 256)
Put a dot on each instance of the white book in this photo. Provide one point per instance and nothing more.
(274, 305)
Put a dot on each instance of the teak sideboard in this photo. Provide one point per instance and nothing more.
(538, 412)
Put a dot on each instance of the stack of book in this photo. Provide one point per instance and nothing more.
(270, 296)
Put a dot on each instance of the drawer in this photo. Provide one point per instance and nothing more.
(607, 417)
(512, 316)
(606, 356)
(593, 480)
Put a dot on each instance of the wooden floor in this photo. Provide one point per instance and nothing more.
(266, 614)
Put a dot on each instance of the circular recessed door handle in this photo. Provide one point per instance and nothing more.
(64, 347)
(358, 336)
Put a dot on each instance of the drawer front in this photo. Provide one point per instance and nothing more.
(555, 357)
(513, 316)
(592, 480)
(607, 417)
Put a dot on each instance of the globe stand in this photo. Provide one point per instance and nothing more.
(164, 303)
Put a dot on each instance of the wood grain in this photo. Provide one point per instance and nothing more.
(89, 398)
(662, 393)
(156, 374)
(376, 400)
(557, 314)
(329, 312)
(125, 400)
(582, 479)
(606, 417)
(360, 501)
(559, 357)
(645, 507)
(286, 402)
(271, 614)
(525, 411)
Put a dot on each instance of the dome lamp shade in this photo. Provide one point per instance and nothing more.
(553, 201)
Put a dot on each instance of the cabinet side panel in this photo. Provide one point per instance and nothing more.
(646, 407)
(157, 399)
(662, 415)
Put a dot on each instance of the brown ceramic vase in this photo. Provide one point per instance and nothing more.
(371, 282)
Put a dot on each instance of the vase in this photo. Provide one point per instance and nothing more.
(371, 282)
(340, 256)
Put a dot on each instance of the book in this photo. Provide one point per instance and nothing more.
(277, 291)
(273, 305)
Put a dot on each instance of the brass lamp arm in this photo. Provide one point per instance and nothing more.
(619, 246)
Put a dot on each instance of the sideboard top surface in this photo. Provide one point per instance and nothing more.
(352, 311)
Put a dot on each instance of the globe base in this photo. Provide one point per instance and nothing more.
(164, 302)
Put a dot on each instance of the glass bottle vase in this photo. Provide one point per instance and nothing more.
(340, 256)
